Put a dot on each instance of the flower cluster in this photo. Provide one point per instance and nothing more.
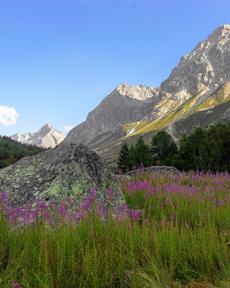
(204, 187)
(53, 213)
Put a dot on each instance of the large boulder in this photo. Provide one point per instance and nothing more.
(66, 171)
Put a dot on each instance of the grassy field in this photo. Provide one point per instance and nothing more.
(174, 232)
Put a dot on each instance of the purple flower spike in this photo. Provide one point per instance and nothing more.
(89, 200)
(134, 214)
(4, 196)
(62, 209)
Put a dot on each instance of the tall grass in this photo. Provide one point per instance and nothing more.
(180, 239)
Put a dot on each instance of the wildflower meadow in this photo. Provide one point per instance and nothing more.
(173, 231)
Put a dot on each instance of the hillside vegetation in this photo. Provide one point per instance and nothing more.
(203, 150)
(11, 151)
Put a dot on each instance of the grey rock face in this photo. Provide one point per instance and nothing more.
(203, 119)
(46, 137)
(197, 75)
(207, 66)
(124, 104)
(65, 171)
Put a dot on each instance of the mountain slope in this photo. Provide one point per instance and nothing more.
(11, 151)
(193, 81)
(216, 109)
(199, 82)
(126, 103)
(46, 137)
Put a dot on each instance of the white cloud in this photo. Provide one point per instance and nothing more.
(68, 128)
(8, 116)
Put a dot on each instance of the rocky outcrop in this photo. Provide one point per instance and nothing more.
(65, 171)
(202, 71)
(207, 66)
(46, 137)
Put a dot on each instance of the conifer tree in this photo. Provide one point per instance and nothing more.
(163, 148)
(143, 155)
(199, 151)
(132, 163)
(123, 161)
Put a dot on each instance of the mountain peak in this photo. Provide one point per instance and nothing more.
(47, 126)
(224, 27)
(138, 92)
(46, 137)
(220, 33)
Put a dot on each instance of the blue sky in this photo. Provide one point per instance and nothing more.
(60, 58)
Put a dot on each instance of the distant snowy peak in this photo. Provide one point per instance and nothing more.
(46, 137)
(22, 137)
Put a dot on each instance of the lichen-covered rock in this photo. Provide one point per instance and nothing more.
(66, 171)
(170, 170)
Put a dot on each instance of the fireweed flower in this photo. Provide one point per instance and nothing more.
(89, 200)
(4, 196)
(122, 212)
(62, 209)
(101, 210)
(134, 214)
(41, 205)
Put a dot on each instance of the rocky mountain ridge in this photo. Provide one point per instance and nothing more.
(126, 103)
(46, 137)
(198, 83)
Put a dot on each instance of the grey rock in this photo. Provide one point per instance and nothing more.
(169, 170)
(65, 171)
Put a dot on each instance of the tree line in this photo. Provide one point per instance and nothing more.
(11, 151)
(203, 150)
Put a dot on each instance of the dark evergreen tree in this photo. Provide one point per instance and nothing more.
(132, 163)
(143, 155)
(221, 134)
(163, 149)
(123, 161)
(199, 152)
(11, 151)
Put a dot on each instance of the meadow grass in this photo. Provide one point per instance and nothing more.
(174, 233)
